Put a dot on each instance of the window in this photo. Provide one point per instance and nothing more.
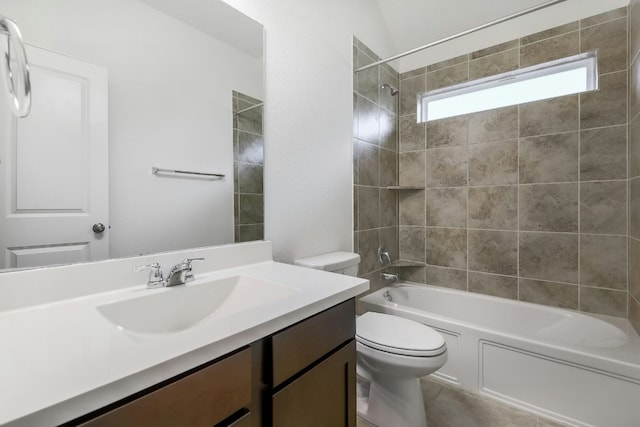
(561, 77)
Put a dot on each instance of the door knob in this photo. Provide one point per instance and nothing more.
(98, 228)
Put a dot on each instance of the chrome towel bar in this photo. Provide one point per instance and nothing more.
(156, 171)
(16, 80)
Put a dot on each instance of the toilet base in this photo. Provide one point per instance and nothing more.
(393, 403)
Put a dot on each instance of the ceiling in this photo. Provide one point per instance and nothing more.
(413, 23)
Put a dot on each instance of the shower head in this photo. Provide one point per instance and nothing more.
(392, 89)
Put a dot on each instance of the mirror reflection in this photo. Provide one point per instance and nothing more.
(121, 87)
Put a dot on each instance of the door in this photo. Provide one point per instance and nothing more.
(54, 166)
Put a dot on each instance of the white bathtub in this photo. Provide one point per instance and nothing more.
(576, 368)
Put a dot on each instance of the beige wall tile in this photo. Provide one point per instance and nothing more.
(634, 207)
(634, 88)
(493, 125)
(603, 301)
(634, 313)
(634, 148)
(368, 163)
(412, 243)
(446, 277)
(388, 208)
(550, 116)
(367, 116)
(552, 32)
(603, 261)
(549, 207)
(412, 168)
(497, 63)
(412, 134)
(388, 168)
(493, 207)
(549, 158)
(447, 132)
(634, 30)
(368, 208)
(512, 44)
(448, 76)
(549, 293)
(412, 208)
(367, 246)
(549, 256)
(634, 268)
(447, 167)
(491, 284)
(493, 163)
(446, 247)
(447, 207)
(448, 63)
(606, 106)
(493, 251)
(409, 89)
(603, 154)
(603, 207)
(550, 49)
(610, 40)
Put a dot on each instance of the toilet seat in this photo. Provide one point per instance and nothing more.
(397, 335)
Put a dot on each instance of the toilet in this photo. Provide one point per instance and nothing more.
(393, 353)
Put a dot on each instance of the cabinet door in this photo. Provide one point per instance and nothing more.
(322, 397)
(200, 399)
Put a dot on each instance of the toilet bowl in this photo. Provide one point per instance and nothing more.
(393, 353)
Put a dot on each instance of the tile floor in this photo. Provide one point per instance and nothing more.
(450, 406)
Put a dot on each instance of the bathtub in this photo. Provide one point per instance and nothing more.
(572, 367)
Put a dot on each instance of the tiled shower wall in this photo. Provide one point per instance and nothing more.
(526, 202)
(634, 164)
(375, 162)
(248, 161)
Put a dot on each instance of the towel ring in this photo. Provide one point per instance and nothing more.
(20, 93)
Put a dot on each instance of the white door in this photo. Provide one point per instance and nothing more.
(54, 166)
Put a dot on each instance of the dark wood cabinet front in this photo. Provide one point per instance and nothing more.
(324, 396)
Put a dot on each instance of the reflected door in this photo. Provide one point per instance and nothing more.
(54, 166)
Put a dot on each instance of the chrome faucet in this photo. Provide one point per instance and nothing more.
(179, 274)
(383, 254)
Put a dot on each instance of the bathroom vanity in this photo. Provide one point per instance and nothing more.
(285, 357)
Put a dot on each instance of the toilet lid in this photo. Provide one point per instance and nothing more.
(398, 335)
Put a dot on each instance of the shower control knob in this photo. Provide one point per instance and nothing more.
(98, 228)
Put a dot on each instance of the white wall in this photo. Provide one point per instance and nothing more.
(183, 124)
(308, 118)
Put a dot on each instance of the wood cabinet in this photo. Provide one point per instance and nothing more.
(303, 375)
(323, 396)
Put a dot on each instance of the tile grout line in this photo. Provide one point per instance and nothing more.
(579, 171)
(468, 182)
(518, 188)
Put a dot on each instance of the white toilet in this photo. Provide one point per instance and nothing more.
(393, 353)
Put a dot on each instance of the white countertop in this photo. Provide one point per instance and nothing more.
(62, 359)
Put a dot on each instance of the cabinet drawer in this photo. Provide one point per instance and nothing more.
(203, 398)
(302, 344)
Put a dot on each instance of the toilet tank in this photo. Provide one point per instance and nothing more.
(335, 262)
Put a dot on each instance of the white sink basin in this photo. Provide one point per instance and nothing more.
(174, 309)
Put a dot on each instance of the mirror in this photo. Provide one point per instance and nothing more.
(121, 87)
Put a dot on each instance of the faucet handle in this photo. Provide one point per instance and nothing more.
(156, 279)
(189, 276)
